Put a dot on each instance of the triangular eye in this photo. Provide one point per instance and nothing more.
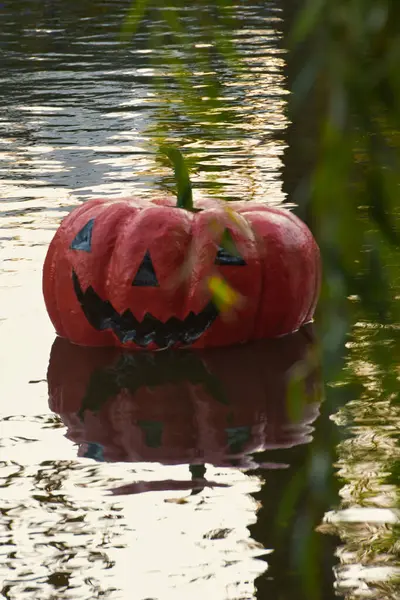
(146, 276)
(227, 252)
(83, 239)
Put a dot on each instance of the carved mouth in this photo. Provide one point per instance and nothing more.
(153, 370)
(102, 316)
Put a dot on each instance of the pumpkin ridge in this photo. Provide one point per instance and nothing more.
(264, 242)
(49, 291)
(262, 250)
(291, 321)
(308, 303)
(119, 227)
(186, 279)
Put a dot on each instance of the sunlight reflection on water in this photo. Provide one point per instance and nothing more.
(78, 121)
(76, 126)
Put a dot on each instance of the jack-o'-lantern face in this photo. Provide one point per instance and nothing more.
(138, 274)
(149, 330)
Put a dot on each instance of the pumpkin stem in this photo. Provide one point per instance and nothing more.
(183, 184)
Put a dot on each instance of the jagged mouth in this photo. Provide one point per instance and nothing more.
(153, 370)
(102, 316)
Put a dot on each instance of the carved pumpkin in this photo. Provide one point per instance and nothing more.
(136, 273)
(175, 407)
(150, 275)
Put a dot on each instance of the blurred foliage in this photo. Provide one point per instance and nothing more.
(342, 69)
(345, 76)
(192, 56)
(349, 51)
(192, 59)
(341, 168)
(223, 295)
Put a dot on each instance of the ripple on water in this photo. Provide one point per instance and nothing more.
(80, 114)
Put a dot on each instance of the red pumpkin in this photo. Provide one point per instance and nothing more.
(147, 274)
(214, 406)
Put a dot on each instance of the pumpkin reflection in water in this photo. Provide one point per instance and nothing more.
(216, 406)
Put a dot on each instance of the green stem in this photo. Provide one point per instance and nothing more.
(183, 185)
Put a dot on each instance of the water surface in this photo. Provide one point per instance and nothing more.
(96, 508)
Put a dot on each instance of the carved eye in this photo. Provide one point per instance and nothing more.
(83, 239)
(146, 276)
(227, 253)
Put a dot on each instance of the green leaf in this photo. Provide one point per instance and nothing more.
(133, 19)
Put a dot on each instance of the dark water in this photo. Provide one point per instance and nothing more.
(103, 489)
